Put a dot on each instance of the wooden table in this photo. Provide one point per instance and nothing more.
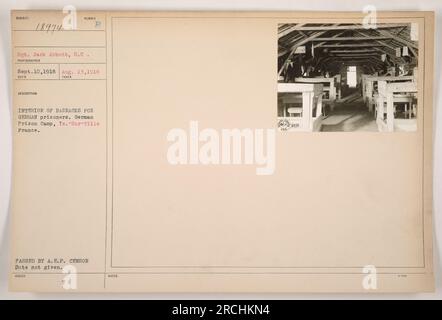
(329, 86)
(392, 93)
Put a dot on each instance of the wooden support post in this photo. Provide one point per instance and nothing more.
(369, 92)
(338, 86)
(380, 108)
(382, 88)
(307, 103)
(332, 90)
(364, 83)
(390, 112)
(319, 106)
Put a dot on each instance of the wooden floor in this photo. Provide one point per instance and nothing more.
(349, 116)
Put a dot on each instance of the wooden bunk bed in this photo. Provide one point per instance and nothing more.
(329, 88)
(370, 86)
(300, 106)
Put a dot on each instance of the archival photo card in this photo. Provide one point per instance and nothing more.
(177, 152)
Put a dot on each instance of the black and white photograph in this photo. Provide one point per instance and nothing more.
(220, 159)
(347, 77)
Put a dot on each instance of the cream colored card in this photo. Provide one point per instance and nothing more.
(222, 151)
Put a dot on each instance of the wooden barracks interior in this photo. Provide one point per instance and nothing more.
(344, 77)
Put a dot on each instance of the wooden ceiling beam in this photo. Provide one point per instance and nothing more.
(290, 30)
(293, 48)
(351, 27)
(354, 57)
(373, 59)
(409, 44)
(356, 54)
(318, 45)
(300, 43)
(352, 38)
(353, 51)
(355, 45)
(391, 54)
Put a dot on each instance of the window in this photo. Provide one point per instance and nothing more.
(351, 76)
